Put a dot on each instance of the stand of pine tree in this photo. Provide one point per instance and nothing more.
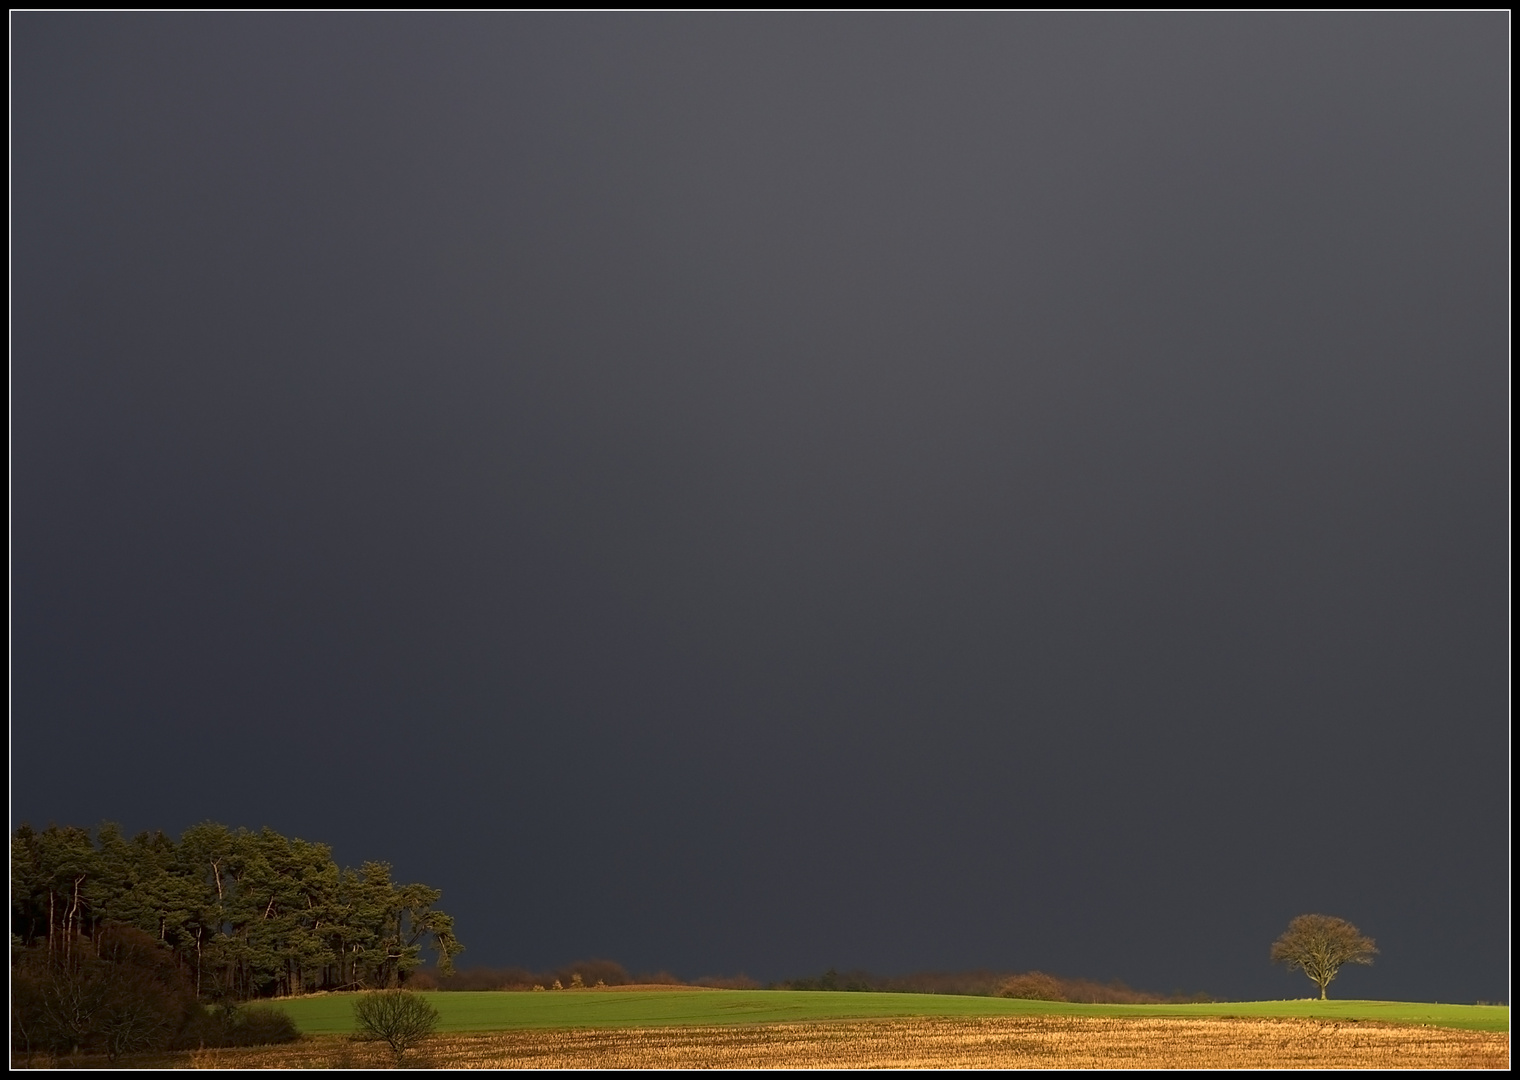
(242, 914)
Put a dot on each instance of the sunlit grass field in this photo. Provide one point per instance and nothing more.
(460, 1011)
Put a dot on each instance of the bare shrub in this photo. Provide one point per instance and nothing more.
(1034, 986)
(399, 1018)
(263, 1025)
(588, 972)
(425, 980)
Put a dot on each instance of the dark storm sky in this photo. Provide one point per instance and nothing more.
(768, 492)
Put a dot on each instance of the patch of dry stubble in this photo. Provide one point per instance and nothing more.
(1001, 1042)
(993, 1042)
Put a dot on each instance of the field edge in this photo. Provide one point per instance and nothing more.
(484, 1011)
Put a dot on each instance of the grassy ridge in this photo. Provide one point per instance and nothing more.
(501, 1011)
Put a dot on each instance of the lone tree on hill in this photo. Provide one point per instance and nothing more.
(1319, 944)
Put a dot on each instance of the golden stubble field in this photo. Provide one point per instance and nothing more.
(992, 1042)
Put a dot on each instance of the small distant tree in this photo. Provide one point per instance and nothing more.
(1318, 945)
(399, 1018)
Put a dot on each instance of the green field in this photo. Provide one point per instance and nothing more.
(497, 1011)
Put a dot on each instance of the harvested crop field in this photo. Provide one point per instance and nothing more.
(1041, 1042)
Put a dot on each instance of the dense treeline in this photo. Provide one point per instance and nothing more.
(589, 973)
(583, 974)
(242, 914)
(1034, 985)
(122, 992)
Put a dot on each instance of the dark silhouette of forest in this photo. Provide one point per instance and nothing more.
(243, 914)
(121, 992)
(119, 945)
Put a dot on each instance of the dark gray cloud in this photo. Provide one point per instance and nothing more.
(772, 491)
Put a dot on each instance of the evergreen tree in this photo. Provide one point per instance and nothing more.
(241, 914)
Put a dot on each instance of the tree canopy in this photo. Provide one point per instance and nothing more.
(244, 914)
(1318, 945)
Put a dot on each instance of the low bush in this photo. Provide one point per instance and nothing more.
(262, 1025)
(400, 1018)
(118, 994)
(232, 1025)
